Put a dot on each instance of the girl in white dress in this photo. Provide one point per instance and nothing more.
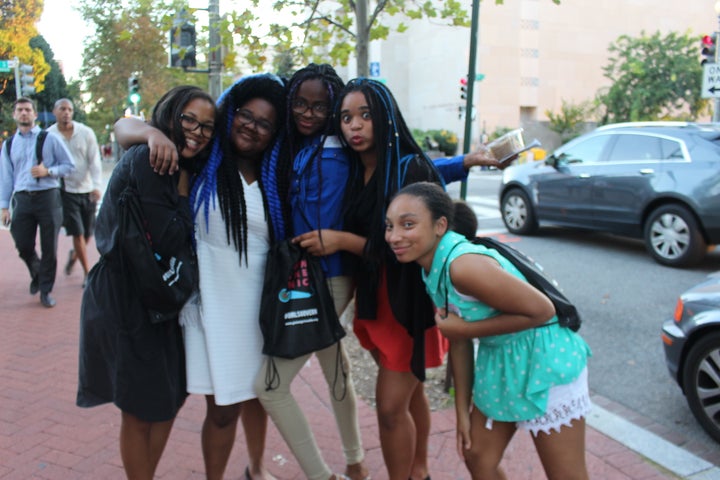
(224, 343)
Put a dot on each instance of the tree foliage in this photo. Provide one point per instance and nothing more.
(17, 28)
(652, 78)
(571, 120)
(332, 31)
(55, 84)
(130, 39)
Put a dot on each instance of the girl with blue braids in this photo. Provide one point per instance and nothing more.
(394, 315)
(223, 343)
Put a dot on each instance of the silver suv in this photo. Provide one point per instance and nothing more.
(659, 181)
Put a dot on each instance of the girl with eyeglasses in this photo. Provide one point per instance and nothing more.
(223, 341)
(224, 345)
(310, 172)
(124, 357)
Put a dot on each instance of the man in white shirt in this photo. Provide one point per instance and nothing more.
(81, 190)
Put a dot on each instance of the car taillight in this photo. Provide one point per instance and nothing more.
(679, 307)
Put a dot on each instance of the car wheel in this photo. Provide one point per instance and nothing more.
(517, 212)
(673, 238)
(701, 383)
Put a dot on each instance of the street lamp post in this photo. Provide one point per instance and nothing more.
(716, 110)
(215, 61)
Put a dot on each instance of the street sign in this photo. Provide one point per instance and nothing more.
(711, 81)
(374, 69)
(6, 66)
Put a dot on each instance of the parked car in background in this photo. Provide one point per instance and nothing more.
(659, 181)
(692, 351)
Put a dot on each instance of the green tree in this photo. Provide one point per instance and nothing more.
(570, 122)
(55, 84)
(130, 39)
(333, 30)
(652, 78)
(17, 28)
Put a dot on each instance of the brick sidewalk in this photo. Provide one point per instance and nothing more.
(43, 435)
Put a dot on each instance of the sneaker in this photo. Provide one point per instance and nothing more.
(46, 300)
(70, 262)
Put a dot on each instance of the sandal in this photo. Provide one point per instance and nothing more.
(342, 476)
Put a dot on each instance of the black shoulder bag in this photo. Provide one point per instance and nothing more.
(566, 312)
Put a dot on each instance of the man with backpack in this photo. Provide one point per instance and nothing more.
(30, 172)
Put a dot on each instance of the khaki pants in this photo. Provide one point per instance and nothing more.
(286, 413)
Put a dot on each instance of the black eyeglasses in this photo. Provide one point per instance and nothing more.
(246, 118)
(300, 106)
(191, 124)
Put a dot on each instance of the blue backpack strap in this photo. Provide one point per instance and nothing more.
(8, 144)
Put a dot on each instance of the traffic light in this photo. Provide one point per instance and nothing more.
(133, 90)
(182, 42)
(708, 48)
(27, 80)
(463, 88)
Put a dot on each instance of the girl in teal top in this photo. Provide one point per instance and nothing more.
(529, 371)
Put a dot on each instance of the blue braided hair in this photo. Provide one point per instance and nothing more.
(219, 179)
(395, 150)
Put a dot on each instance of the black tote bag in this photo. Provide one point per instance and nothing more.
(297, 312)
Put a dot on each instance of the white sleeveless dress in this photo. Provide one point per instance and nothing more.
(224, 346)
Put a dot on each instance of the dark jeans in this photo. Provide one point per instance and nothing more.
(32, 210)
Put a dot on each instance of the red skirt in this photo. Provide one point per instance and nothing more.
(391, 340)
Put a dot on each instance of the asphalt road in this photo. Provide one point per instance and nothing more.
(623, 296)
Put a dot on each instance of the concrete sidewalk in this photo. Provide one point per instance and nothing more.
(43, 435)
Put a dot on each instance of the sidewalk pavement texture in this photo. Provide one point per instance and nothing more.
(43, 435)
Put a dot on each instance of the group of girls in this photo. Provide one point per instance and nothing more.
(316, 161)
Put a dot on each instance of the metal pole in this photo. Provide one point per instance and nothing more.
(18, 92)
(716, 110)
(471, 86)
(215, 59)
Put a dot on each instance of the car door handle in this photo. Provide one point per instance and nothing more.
(646, 171)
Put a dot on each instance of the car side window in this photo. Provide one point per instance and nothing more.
(632, 148)
(588, 151)
(671, 149)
